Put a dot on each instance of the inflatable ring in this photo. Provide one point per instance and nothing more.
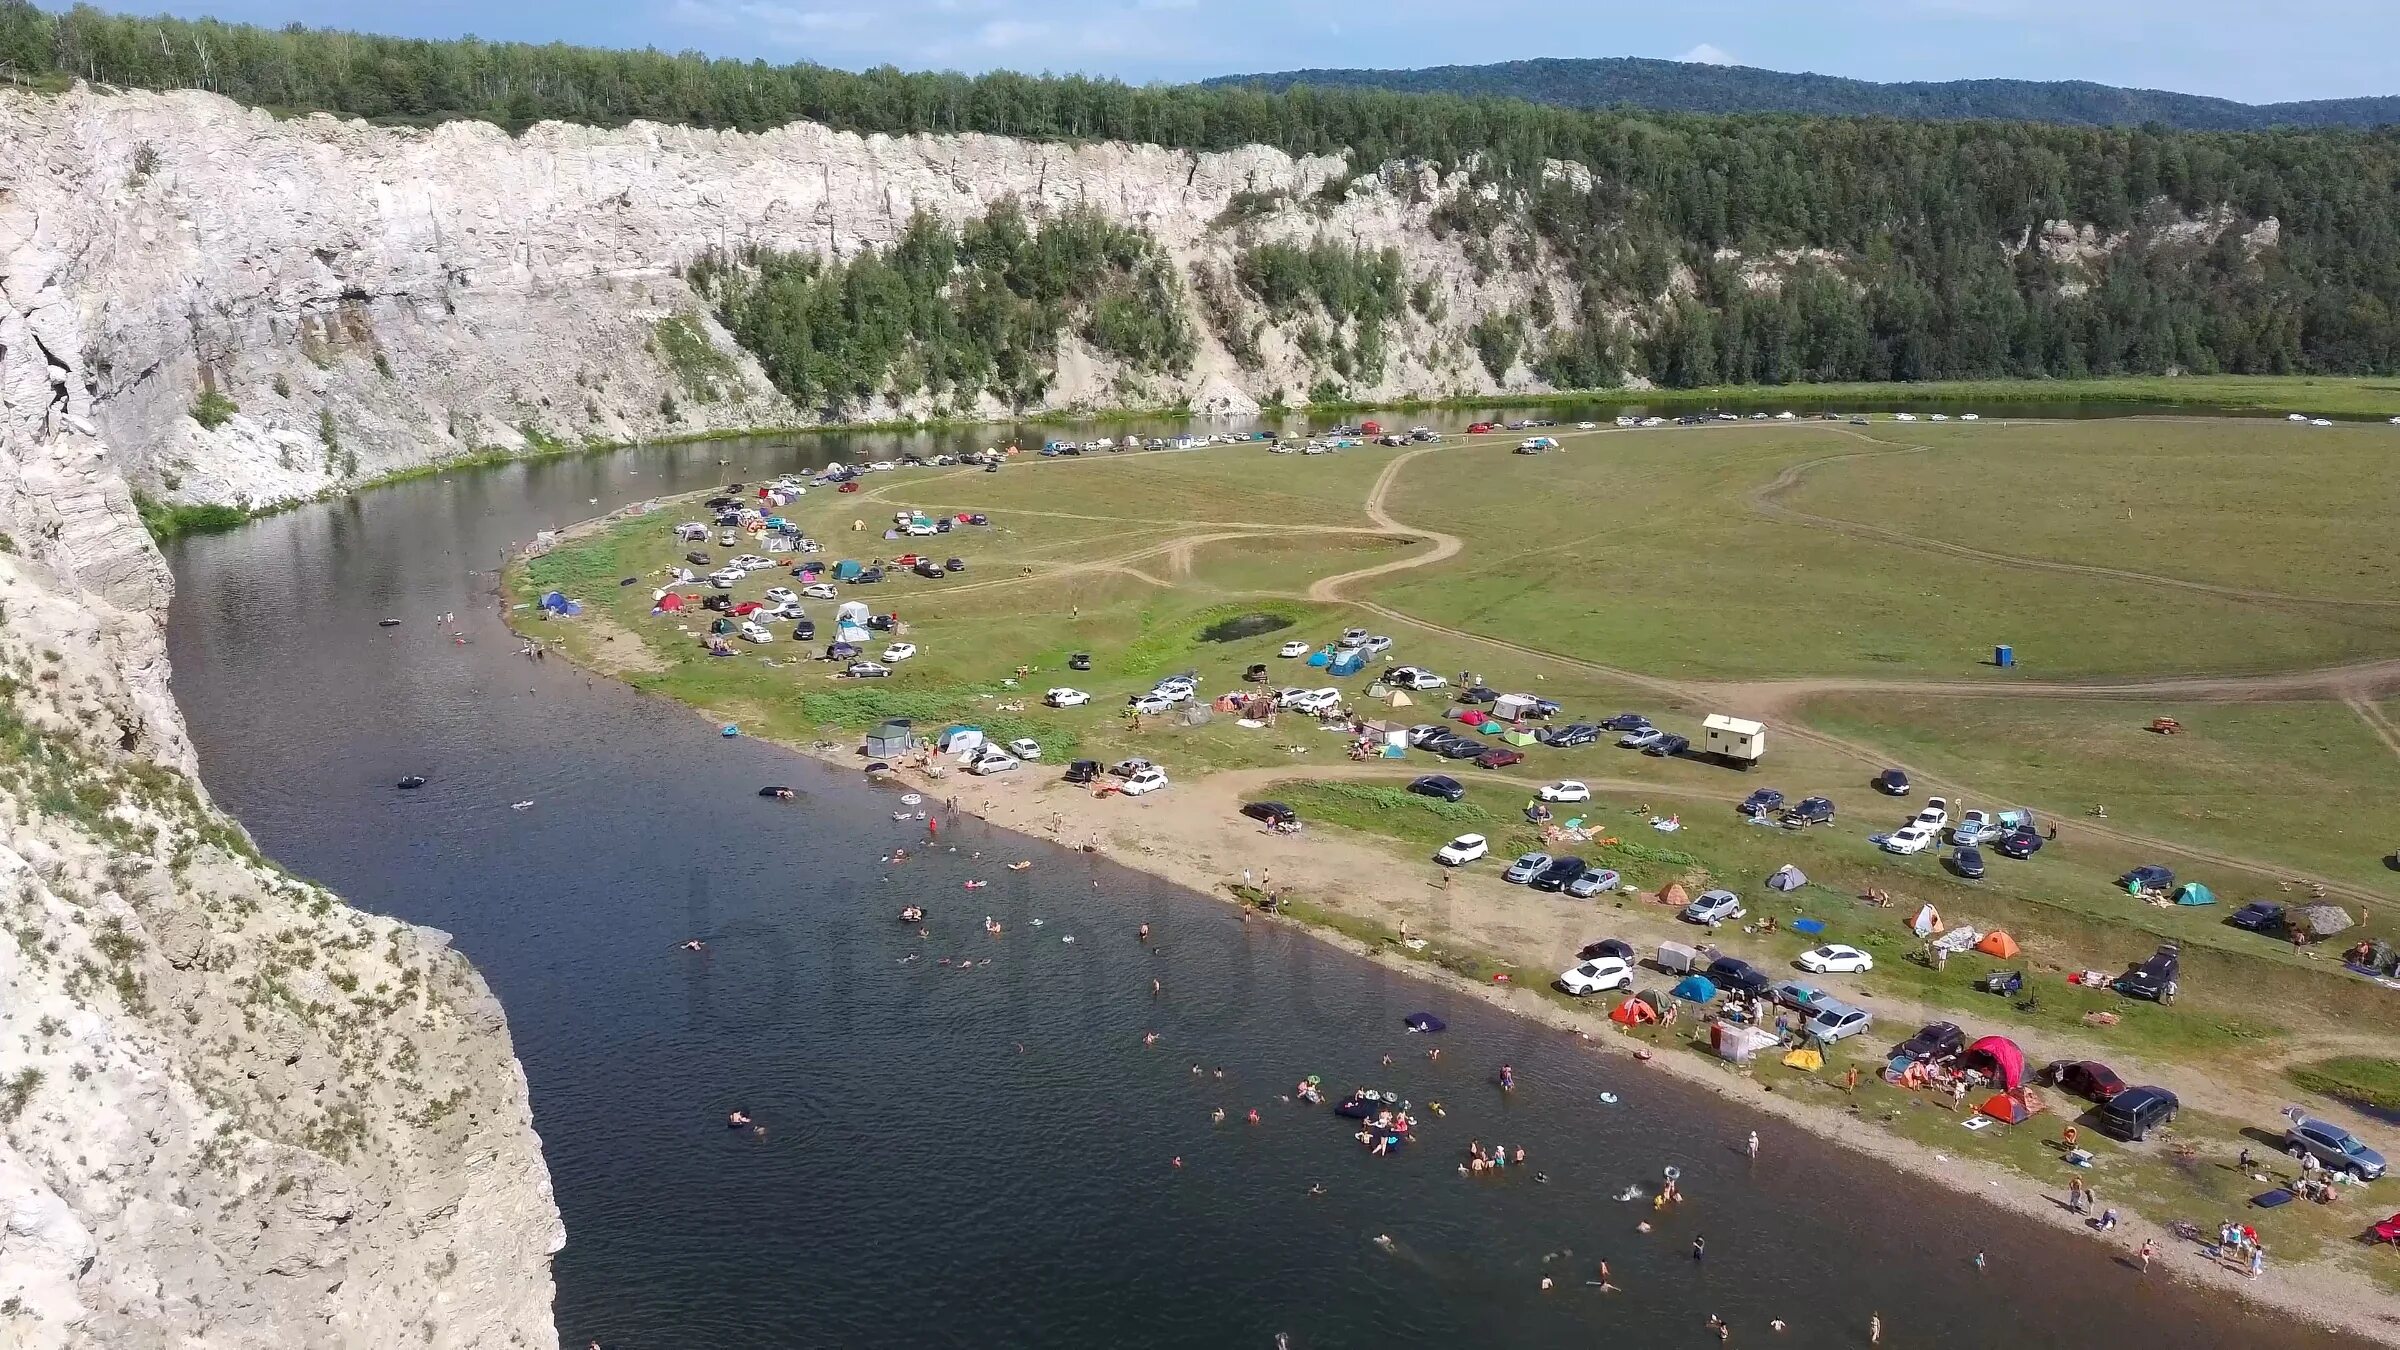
(1674, 1173)
(910, 799)
(1609, 1097)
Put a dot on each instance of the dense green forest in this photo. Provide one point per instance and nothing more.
(1683, 86)
(1921, 219)
(956, 314)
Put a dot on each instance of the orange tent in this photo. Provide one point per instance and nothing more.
(1997, 943)
(1674, 894)
(2010, 1108)
(1633, 1012)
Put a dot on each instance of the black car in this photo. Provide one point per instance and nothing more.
(1479, 694)
(1939, 1042)
(720, 602)
(1569, 736)
(1893, 782)
(1760, 802)
(2259, 916)
(2019, 844)
(1667, 747)
(696, 559)
(1621, 950)
(1556, 876)
(930, 570)
(2154, 978)
(1080, 661)
(1810, 811)
(1438, 785)
(1625, 722)
(720, 501)
(2132, 1114)
(1462, 747)
(804, 630)
(1967, 861)
(978, 518)
(1273, 813)
(1731, 972)
(955, 565)
(1083, 771)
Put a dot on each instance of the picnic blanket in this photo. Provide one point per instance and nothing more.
(1957, 940)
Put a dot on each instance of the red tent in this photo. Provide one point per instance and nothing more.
(1633, 1012)
(2009, 1108)
(670, 603)
(747, 608)
(2000, 1057)
(1473, 717)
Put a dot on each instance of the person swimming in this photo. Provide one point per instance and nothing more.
(736, 1119)
(1508, 1078)
(694, 945)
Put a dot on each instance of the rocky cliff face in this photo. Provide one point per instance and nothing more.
(373, 299)
(233, 1112)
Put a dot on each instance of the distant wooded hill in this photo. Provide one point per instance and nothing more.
(1681, 86)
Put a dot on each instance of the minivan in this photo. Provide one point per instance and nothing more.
(2132, 1114)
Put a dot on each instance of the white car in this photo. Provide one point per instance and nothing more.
(1293, 649)
(1173, 691)
(751, 632)
(1066, 698)
(900, 651)
(1565, 790)
(728, 539)
(725, 578)
(751, 562)
(1025, 748)
(1935, 814)
(1376, 645)
(1973, 827)
(1149, 705)
(1148, 780)
(1410, 677)
(1834, 959)
(780, 595)
(1908, 839)
(1597, 976)
(989, 761)
(1316, 701)
(1462, 850)
(819, 591)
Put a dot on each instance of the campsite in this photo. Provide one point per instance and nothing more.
(1733, 571)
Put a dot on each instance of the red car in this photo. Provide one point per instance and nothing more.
(1499, 757)
(2086, 1078)
(1481, 429)
(2388, 1230)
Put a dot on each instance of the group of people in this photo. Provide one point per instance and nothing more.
(2238, 1246)
(1479, 1160)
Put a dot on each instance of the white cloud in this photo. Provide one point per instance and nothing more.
(1002, 34)
(777, 23)
(1167, 4)
(1709, 54)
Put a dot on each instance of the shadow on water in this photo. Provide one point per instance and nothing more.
(967, 1142)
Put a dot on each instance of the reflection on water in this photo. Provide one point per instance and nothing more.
(967, 1141)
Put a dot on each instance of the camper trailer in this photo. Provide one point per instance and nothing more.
(1733, 741)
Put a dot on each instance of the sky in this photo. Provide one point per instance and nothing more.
(2239, 49)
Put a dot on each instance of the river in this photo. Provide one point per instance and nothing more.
(985, 1156)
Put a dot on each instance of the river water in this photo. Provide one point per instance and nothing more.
(985, 1156)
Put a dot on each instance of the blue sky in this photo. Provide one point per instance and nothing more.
(2231, 48)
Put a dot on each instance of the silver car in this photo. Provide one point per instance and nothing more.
(1526, 868)
(1714, 907)
(1830, 1020)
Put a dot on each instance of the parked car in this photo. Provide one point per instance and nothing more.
(1938, 1042)
(1526, 867)
(1438, 785)
(1410, 677)
(2259, 916)
(1556, 876)
(1974, 827)
(1148, 780)
(2019, 844)
(2148, 877)
(1799, 994)
(1642, 739)
(2154, 978)
(1597, 976)
(954, 564)
(1834, 958)
(781, 595)
(1967, 862)
(929, 569)
(1271, 813)
(1564, 790)
(1594, 881)
(1083, 771)
(1892, 781)
(1066, 698)
(900, 651)
(752, 632)
(1935, 816)
(1460, 747)
(1810, 811)
(1667, 747)
(1569, 736)
(1714, 907)
(1149, 705)
(2337, 1148)
(1616, 947)
(1464, 849)
(867, 670)
(803, 629)
(1499, 757)
(1376, 645)
(1025, 747)
(1478, 695)
(1760, 802)
(1908, 839)
(2132, 1114)
(1732, 972)
(1625, 722)
(1831, 1020)
(819, 591)
(2086, 1078)
(1293, 648)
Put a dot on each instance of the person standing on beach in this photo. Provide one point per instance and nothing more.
(2258, 1261)
(2075, 1194)
(2149, 1249)
(1754, 1146)
(1850, 1079)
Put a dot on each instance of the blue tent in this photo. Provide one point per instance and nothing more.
(1320, 660)
(1349, 663)
(2193, 893)
(557, 603)
(846, 570)
(1697, 988)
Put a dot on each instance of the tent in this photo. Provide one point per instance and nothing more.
(2193, 893)
(1400, 699)
(1424, 1021)
(846, 570)
(2001, 1058)
(1473, 717)
(1510, 707)
(1696, 988)
(1927, 923)
(1787, 878)
(1320, 660)
(1997, 943)
(2323, 920)
(2009, 1108)
(958, 739)
(556, 602)
(891, 739)
(1348, 663)
(1673, 893)
(1633, 1012)
(1806, 1057)
(851, 612)
(670, 603)
(1517, 737)
(1733, 1041)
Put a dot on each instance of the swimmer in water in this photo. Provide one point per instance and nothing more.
(1254, 1115)
(737, 1119)
(1384, 1240)
(1316, 1188)
(1145, 932)
(1217, 1115)
(694, 945)
(1149, 1038)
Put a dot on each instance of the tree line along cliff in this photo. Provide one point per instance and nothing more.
(1697, 249)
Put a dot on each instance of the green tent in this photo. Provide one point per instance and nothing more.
(2193, 893)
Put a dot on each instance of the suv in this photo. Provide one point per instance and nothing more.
(2153, 979)
(1713, 907)
(1556, 876)
(1732, 972)
(2337, 1148)
(2132, 1114)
